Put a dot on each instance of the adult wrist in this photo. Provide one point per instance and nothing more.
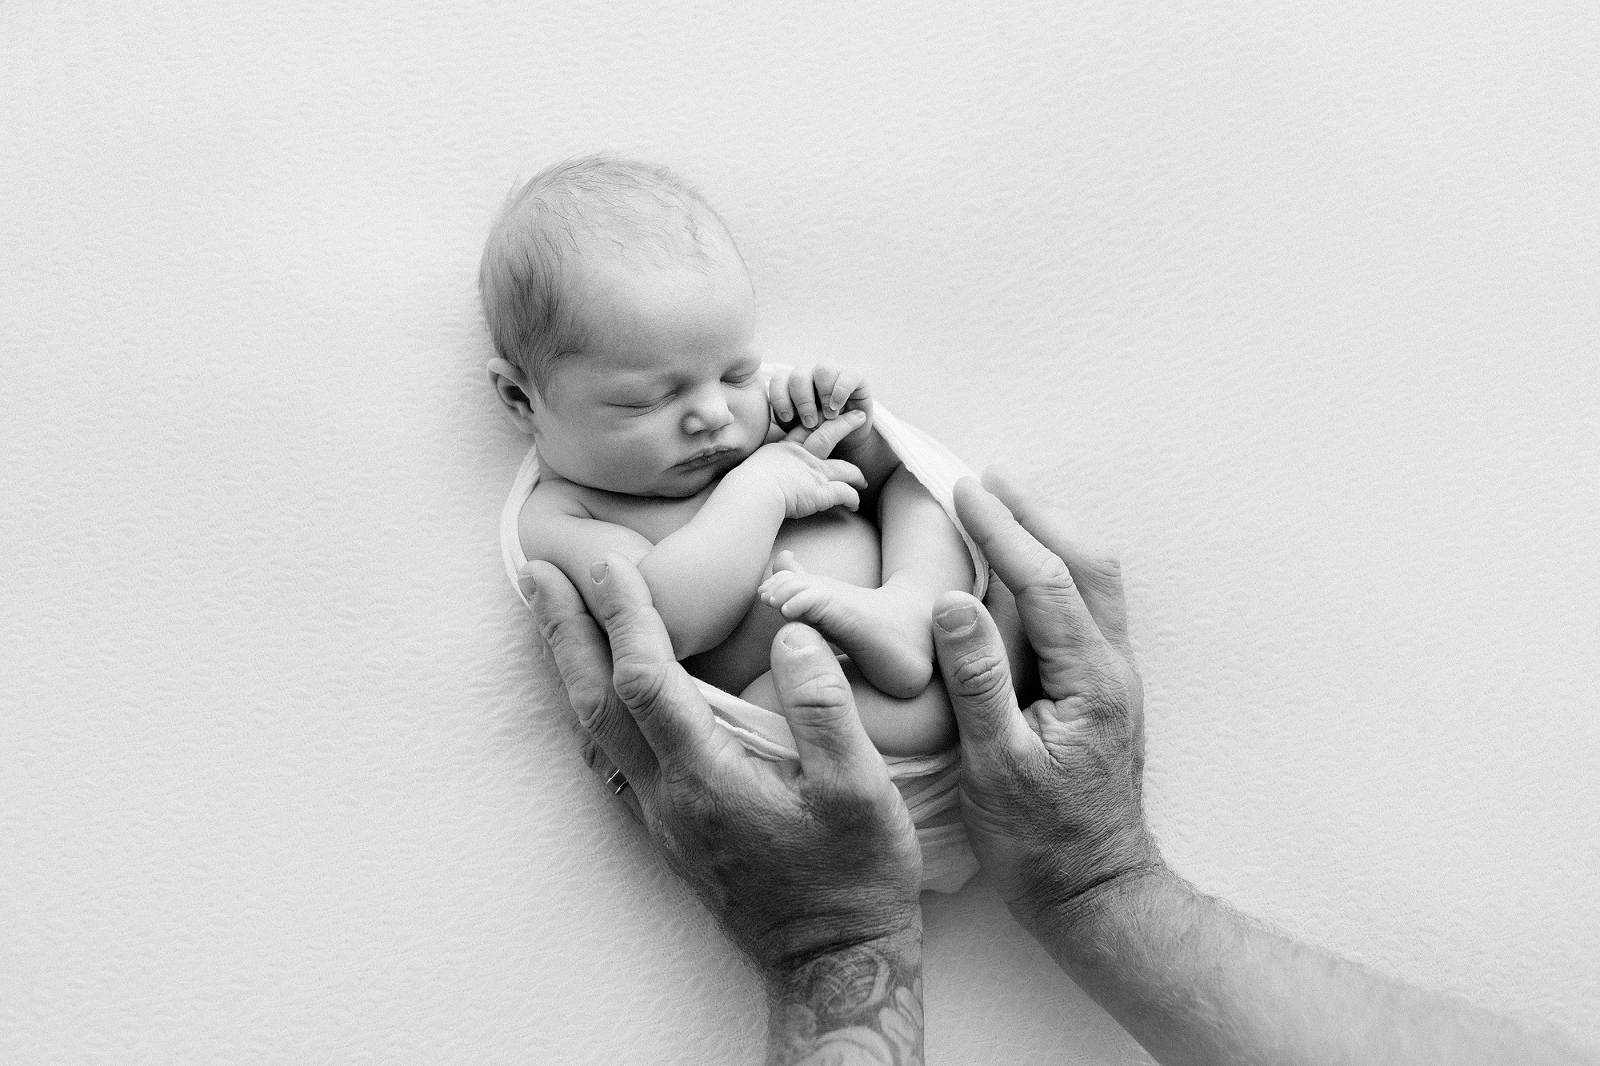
(853, 999)
(1073, 927)
(1067, 895)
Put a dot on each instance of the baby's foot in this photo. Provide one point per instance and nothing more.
(885, 631)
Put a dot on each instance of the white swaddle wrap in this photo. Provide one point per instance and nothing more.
(928, 783)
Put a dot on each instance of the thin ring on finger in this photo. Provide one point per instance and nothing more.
(616, 782)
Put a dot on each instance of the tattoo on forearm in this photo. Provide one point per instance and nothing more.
(857, 1006)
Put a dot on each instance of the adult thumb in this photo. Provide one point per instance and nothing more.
(977, 674)
(817, 701)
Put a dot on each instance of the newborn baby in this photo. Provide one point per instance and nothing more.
(623, 321)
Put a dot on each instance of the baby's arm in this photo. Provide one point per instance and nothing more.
(703, 576)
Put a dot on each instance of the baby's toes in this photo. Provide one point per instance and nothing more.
(787, 561)
(778, 588)
(803, 604)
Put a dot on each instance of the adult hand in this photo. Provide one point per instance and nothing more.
(1052, 801)
(812, 867)
(1051, 794)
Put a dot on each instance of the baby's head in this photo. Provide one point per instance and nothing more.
(623, 322)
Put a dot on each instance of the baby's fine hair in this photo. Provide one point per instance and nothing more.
(594, 203)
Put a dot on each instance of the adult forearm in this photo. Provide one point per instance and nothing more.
(1198, 983)
(853, 1006)
(703, 577)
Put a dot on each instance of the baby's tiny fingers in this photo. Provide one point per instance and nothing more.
(778, 396)
(804, 399)
(850, 386)
(842, 472)
(824, 379)
(827, 436)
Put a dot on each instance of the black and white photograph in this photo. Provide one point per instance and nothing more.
(817, 534)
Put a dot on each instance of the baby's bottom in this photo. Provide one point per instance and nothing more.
(897, 727)
(917, 726)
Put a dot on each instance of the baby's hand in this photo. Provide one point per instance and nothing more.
(819, 394)
(809, 483)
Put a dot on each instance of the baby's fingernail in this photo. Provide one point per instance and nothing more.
(530, 590)
(598, 571)
(958, 619)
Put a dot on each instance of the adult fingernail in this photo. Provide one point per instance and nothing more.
(795, 639)
(598, 571)
(958, 619)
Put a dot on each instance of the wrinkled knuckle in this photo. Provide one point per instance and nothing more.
(639, 685)
(981, 673)
(1108, 568)
(1047, 572)
(821, 696)
(1104, 572)
(554, 626)
(589, 704)
(1054, 599)
(614, 612)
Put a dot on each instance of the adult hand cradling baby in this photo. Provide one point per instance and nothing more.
(812, 867)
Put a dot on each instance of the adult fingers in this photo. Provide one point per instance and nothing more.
(977, 675)
(817, 701)
(1072, 652)
(822, 440)
(613, 779)
(803, 396)
(778, 395)
(674, 718)
(1097, 574)
(579, 649)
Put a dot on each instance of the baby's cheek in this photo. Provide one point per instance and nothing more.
(756, 415)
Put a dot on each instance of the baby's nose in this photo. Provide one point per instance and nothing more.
(709, 411)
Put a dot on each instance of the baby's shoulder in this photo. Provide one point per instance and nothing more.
(559, 514)
(557, 496)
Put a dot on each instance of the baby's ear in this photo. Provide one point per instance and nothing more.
(515, 391)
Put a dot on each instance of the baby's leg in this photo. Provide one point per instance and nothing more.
(886, 631)
(923, 554)
(921, 725)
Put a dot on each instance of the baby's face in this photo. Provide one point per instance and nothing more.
(666, 395)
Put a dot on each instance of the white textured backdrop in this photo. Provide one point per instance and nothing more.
(1297, 308)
